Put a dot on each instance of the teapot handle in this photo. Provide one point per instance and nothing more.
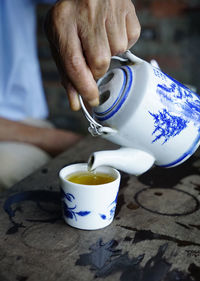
(128, 56)
(95, 128)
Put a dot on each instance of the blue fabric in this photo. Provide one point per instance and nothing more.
(21, 90)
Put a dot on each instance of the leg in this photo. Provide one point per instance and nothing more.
(18, 160)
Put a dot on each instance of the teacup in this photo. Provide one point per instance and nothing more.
(88, 206)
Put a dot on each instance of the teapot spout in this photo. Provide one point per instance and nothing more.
(131, 161)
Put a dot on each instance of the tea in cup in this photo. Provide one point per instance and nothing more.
(89, 198)
(90, 178)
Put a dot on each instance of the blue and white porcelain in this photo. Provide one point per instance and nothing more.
(152, 116)
(88, 207)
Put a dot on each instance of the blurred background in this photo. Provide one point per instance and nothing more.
(170, 34)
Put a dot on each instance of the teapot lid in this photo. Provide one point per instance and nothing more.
(114, 88)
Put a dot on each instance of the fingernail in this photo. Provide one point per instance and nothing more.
(75, 104)
(94, 102)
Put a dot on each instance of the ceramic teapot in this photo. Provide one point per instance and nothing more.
(152, 116)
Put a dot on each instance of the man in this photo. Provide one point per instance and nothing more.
(27, 140)
(83, 36)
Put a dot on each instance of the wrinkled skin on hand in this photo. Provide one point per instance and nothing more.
(83, 35)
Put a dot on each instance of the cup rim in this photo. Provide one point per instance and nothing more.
(117, 173)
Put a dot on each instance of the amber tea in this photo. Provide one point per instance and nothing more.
(90, 178)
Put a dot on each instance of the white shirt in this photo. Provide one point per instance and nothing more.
(21, 90)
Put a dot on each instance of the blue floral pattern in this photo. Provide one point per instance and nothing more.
(180, 99)
(70, 212)
(112, 208)
(181, 106)
(70, 208)
(167, 126)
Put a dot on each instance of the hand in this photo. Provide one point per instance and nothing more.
(83, 35)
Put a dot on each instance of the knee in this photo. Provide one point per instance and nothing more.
(18, 161)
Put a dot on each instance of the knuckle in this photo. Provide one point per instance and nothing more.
(55, 12)
(100, 65)
(74, 63)
(60, 7)
(134, 34)
(89, 89)
(60, 12)
(54, 20)
(120, 47)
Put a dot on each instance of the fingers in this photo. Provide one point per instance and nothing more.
(71, 92)
(133, 28)
(83, 36)
(93, 36)
(77, 69)
(117, 37)
(116, 31)
(123, 28)
(96, 49)
(73, 97)
(67, 51)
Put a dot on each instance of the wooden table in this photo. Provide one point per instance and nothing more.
(155, 235)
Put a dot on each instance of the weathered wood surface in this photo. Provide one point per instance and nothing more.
(155, 235)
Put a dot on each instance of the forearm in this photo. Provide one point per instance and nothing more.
(53, 141)
(17, 131)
